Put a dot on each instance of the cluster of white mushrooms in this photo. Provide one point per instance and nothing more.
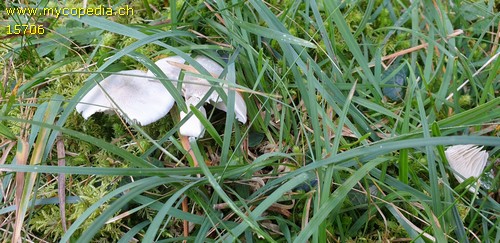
(140, 98)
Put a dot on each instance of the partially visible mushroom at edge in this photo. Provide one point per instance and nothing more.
(466, 161)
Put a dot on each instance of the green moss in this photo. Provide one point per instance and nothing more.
(465, 101)
(47, 221)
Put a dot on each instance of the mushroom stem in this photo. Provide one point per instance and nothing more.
(187, 147)
(185, 223)
(185, 207)
(192, 127)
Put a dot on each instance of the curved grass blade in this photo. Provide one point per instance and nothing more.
(150, 234)
(264, 205)
(46, 113)
(218, 189)
(135, 188)
(273, 34)
(337, 197)
(126, 238)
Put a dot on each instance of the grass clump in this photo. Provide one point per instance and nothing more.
(340, 145)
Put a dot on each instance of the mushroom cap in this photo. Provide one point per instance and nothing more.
(192, 127)
(138, 99)
(240, 108)
(198, 87)
(172, 72)
(466, 161)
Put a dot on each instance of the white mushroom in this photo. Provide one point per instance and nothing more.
(130, 93)
(466, 161)
(141, 98)
(195, 88)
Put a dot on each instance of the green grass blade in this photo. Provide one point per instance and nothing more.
(152, 231)
(126, 238)
(273, 34)
(264, 205)
(218, 189)
(135, 188)
(46, 113)
(345, 31)
(334, 200)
